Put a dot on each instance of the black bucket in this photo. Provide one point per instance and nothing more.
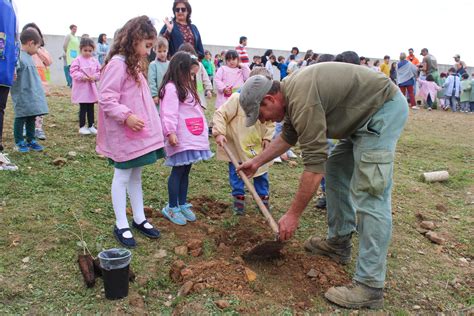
(115, 265)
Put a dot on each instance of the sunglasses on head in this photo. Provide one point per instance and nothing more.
(177, 10)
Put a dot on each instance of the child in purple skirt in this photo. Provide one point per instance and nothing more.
(186, 132)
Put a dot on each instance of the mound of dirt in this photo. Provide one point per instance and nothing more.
(286, 280)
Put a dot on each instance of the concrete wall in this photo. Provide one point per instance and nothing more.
(54, 45)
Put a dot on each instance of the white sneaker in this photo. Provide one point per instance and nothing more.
(84, 131)
(415, 107)
(93, 130)
(291, 154)
(6, 164)
(277, 160)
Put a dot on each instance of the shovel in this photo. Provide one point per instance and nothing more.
(267, 249)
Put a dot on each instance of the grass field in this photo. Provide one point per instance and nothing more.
(39, 205)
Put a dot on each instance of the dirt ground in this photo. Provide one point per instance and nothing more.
(284, 280)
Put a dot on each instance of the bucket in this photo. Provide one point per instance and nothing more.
(115, 266)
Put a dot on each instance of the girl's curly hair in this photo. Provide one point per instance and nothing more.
(125, 41)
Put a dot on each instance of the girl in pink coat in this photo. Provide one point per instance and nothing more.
(85, 71)
(130, 132)
(186, 131)
(230, 78)
(428, 90)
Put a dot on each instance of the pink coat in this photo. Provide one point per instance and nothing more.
(184, 119)
(83, 90)
(121, 96)
(428, 88)
(229, 77)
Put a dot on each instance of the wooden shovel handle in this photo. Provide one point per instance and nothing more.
(251, 188)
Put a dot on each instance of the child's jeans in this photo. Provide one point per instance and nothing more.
(465, 107)
(86, 109)
(261, 183)
(29, 123)
(429, 102)
(452, 102)
(3, 104)
(178, 184)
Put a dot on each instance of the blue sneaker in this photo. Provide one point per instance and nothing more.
(35, 146)
(174, 215)
(22, 147)
(187, 212)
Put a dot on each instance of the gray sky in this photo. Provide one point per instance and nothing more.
(369, 27)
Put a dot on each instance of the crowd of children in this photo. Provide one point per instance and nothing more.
(156, 111)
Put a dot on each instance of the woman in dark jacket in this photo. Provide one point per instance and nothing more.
(180, 30)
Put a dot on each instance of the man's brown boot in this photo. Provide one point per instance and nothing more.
(356, 295)
(336, 248)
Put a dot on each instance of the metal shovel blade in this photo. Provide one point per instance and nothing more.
(266, 250)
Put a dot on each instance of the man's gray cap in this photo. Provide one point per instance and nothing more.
(251, 95)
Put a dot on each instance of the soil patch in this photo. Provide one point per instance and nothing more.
(285, 280)
(210, 208)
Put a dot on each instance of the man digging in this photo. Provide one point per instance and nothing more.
(367, 113)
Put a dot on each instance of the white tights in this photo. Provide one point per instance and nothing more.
(127, 180)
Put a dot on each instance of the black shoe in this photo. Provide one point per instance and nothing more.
(127, 242)
(149, 232)
(321, 204)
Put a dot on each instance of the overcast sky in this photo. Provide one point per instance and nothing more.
(369, 27)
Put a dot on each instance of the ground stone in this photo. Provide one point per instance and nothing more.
(196, 252)
(194, 244)
(441, 208)
(185, 289)
(160, 254)
(59, 161)
(312, 273)
(435, 238)
(427, 225)
(222, 304)
(137, 301)
(181, 250)
(251, 275)
(421, 230)
(185, 273)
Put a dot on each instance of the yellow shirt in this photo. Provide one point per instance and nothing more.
(385, 68)
(244, 142)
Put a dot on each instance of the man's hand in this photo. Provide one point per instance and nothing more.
(249, 168)
(134, 123)
(221, 140)
(173, 140)
(156, 100)
(287, 226)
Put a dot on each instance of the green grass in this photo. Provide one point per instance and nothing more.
(38, 203)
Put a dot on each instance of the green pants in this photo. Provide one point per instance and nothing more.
(29, 123)
(359, 181)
